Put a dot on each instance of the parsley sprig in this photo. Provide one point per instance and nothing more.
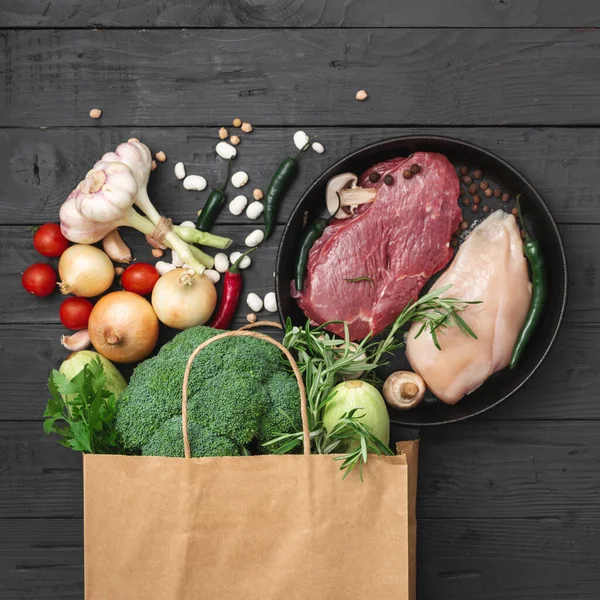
(81, 411)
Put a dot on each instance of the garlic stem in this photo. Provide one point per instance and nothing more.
(116, 248)
(193, 236)
(207, 260)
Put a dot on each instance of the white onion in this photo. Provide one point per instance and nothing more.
(183, 299)
(85, 271)
(123, 327)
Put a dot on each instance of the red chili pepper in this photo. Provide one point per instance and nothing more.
(232, 288)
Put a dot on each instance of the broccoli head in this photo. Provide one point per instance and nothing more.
(231, 403)
(283, 409)
(227, 389)
(167, 440)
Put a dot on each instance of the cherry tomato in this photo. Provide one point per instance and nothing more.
(139, 278)
(50, 241)
(39, 279)
(75, 312)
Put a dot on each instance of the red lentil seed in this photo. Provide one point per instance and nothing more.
(505, 197)
(467, 180)
(476, 199)
(497, 192)
(454, 242)
(462, 192)
(473, 188)
(484, 185)
(488, 193)
(478, 173)
(523, 236)
(486, 208)
(464, 170)
(515, 212)
(466, 201)
(464, 225)
(475, 208)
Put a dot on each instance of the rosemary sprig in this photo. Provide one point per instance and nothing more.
(359, 279)
(325, 360)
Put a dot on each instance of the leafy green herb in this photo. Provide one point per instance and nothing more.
(81, 411)
(325, 360)
(359, 279)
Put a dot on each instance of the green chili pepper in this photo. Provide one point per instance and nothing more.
(310, 235)
(280, 183)
(212, 207)
(533, 253)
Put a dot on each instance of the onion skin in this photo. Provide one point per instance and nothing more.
(123, 327)
(184, 299)
(85, 271)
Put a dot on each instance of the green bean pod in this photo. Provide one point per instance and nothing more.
(534, 255)
(280, 184)
(310, 235)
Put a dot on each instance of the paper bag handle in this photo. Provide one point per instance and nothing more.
(244, 333)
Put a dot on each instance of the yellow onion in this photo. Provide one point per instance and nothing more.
(123, 327)
(85, 271)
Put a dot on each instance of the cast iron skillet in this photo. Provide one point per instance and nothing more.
(539, 222)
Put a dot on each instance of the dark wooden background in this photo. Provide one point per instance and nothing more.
(509, 503)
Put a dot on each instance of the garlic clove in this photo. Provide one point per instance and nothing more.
(116, 249)
(77, 341)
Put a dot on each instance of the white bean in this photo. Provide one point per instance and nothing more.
(244, 263)
(300, 139)
(239, 179)
(196, 183)
(225, 150)
(164, 267)
(255, 238)
(318, 147)
(175, 259)
(271, 302)
(180, 170)
(254, 210)
(254, 302)
(213, 275)
(221, 262)
(237, 205)
(188, 224)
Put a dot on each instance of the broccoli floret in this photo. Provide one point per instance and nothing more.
(283, 409)
(227, 389)
(231, 403)
(167, 440)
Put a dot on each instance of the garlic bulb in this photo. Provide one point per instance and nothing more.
(107, 191)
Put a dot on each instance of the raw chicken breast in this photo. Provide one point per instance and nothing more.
(489, 266)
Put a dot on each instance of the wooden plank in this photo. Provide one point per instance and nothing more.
(39, 168)
(458, 559)
(186, 77)
(472, 469)
(300, 13)
(582, 245)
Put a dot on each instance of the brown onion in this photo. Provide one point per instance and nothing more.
(123, 327)
(85, 271)
(181, 298)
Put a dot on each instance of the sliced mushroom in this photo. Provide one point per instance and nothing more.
(354, 196)
(334, 187)
(404, 389)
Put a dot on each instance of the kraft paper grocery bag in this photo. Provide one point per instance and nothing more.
(252, 527)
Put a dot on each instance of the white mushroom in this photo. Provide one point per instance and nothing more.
(404, 389)
(350, 196)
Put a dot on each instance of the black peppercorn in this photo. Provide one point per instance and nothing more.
(475, 208)
(415, 168)
(467, 180)
(406, 174)
(466, 201)
(472, 188)
(478, 173)
(497, 192)
(464, 170)
(374, 177)
(388, 180)
(505, 197)
(454, 242)
(476, 199)
(484, 185)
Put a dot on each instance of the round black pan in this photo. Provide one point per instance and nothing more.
(539, 222)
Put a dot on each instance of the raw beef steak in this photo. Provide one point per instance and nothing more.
(398, 242)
